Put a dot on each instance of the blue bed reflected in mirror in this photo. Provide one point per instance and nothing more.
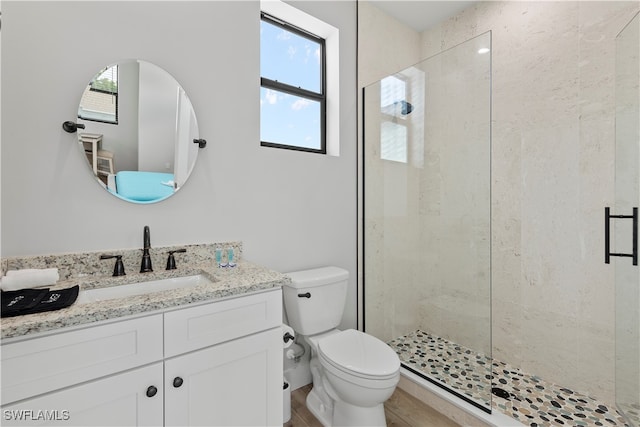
(141, 186)
(139, 131)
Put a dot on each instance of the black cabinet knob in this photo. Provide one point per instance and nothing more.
(177, 382)
(151, 391)
(305, 295)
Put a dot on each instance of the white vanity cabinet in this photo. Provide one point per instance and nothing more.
(218, 363)
(83, 376)
(125, 399)
(226, 381)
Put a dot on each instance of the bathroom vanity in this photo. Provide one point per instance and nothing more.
(203, 355)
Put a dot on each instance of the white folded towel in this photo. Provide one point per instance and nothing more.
(29, 278)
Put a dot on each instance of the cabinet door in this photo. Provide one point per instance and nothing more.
(117, 400)
(35, 366)
(237, 383)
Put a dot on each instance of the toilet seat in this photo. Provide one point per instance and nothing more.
(358, 354)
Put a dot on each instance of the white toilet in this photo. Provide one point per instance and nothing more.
(353, 373)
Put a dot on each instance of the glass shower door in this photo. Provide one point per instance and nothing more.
(627, 197)
(427, 217)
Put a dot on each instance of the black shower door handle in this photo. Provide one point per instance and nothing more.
(607, 234)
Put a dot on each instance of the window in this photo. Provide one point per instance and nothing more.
(292, 93)
(393, 130)
(100, 98)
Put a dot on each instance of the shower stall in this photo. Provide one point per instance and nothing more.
(427, 220)
(427, 217)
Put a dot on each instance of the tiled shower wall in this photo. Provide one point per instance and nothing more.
(553, 89)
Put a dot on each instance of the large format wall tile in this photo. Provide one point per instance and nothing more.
(553, 78)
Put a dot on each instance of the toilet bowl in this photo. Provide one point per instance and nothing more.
(367, 369)
(353, 373)
(362, 372)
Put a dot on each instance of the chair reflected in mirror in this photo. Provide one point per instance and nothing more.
(104, 165)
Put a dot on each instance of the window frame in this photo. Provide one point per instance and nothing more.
(320, 97)
(114, 94)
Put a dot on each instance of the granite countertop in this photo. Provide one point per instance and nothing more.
(244, 278)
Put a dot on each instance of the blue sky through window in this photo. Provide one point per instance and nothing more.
(296, 61)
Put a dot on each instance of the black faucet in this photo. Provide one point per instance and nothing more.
(118, 270)
(171, 261)
(146, 258)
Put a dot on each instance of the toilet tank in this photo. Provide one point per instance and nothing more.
(314, 300)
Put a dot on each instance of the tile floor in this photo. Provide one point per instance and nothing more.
(402, 410)
(529, 399)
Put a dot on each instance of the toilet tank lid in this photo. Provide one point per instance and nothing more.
(317, 276)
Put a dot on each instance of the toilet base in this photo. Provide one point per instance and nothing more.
(345, 414)
(319, 409)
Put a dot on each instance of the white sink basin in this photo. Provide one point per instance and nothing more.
(141, 288)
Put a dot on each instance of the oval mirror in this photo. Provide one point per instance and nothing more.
(139, 131)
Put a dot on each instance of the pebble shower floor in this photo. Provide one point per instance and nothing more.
(532, 401)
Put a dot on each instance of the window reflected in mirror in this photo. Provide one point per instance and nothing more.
(100, 98)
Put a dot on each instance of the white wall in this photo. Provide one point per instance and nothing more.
(292, 210)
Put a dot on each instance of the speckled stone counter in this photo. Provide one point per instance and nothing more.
(244, 278)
